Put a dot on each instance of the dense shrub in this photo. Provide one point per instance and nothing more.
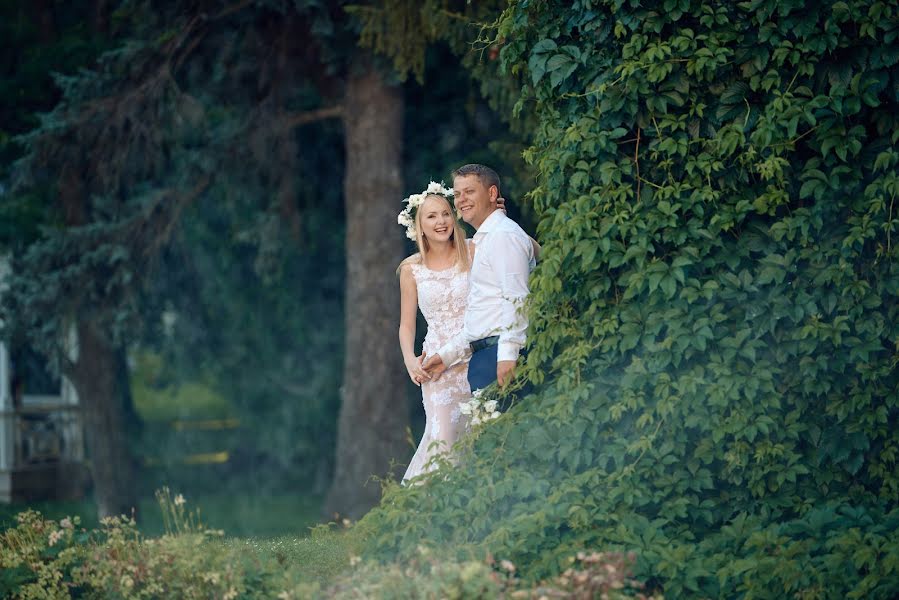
(714, 322)
(45, 559)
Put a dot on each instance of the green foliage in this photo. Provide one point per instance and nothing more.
(43, 558)
(714, 321)
(403, 30)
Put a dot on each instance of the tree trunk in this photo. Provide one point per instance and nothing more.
(45, 20)
(104, 397)
(373, 414)
(100, 17)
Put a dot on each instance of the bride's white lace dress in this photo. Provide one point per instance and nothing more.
(442, 297)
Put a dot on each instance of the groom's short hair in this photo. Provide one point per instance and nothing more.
(485, 174)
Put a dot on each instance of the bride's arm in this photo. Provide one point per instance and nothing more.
(408, 314)
(537, 248)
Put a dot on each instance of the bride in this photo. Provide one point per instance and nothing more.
(435, 280)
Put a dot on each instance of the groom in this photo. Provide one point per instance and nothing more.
(495, 325)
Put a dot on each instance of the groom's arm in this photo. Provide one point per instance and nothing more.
(511, 262)
(455, 350)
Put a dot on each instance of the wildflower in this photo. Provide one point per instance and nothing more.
(179, 500)
(126, 582)
(285, 595)
(212, 578)
(477, 393)
(55, 536)
(355, 560)
(490, 406)
(465, 408)
(231, 594)
(436, 188)
(66, 523)
(507, 565)
(495, 414)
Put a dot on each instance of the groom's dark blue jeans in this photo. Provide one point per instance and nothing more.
(482, 368)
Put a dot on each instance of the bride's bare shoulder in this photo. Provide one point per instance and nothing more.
(407, 263)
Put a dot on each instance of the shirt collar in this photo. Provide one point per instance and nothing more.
(490, 222)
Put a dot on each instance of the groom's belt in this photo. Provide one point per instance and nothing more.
(486, 342)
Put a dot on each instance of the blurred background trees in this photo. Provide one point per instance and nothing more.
(206, 192)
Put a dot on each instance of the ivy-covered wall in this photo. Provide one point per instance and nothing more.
(715, 318)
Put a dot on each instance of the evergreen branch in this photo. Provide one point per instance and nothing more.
(174, 216)
(237, 6)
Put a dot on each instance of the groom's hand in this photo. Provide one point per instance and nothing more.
(505, 371)
(434, 366)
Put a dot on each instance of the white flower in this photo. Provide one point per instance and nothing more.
(465, 409)
(477, 393)
(179, 500)
(410, 233)
(475, 420)
(490, 406)
(66, 523)
(434, 188)
(55, 536)
(495, 415)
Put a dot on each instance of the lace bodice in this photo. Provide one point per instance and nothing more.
(442, 297)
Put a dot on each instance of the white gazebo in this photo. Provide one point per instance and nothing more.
(41, 441)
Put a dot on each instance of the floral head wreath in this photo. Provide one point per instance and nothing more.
(407, 216)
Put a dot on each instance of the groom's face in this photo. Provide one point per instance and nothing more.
(474, 200)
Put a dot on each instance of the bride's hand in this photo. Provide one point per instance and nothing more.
(416, 372)
(435, 367)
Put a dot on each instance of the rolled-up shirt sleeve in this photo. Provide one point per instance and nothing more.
(512, 261)
(455, 350)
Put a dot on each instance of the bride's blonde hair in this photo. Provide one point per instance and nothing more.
(463, 260)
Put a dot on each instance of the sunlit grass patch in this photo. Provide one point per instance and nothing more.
(159, 400)
(316, 558)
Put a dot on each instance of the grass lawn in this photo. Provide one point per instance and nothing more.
(241, 514)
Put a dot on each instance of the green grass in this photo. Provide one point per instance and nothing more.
(318, 557)
(55, 509)
(238, 514)
(159, 401)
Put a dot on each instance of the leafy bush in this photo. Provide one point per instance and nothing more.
(714, 322)
(47, 559)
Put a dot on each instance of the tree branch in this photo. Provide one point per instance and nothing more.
(304, 118)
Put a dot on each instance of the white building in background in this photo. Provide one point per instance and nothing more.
(41, 436)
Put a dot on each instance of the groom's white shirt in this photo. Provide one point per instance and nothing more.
(498, 286)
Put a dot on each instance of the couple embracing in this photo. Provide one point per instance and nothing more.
(470, 292)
